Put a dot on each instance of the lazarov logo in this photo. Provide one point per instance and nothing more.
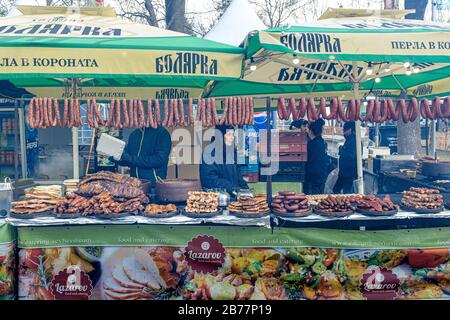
(204, 254)
(71, 284)
(311, 42)
(379, 284)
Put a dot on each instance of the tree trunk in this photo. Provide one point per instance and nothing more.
(408, 135)
(151, 19)
(175, 15)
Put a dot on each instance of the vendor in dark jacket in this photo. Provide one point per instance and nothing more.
(217, 171)
(147, 153)
(347, 161)
(318, 161)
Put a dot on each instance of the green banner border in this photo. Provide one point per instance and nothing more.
(179, 236)
(7, 233)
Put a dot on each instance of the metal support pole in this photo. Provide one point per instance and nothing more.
(75, 146)
(432, 138)
(16, 140)
(269, 150)
(377, 134)
(359, 166)
(22, 138)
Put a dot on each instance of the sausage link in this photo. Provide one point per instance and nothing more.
(437, 112)
(118, 120)
(176, 116)
(110, 113)
(333, 108)
(157, 113)
(94, 110)
(89, 114)
(246, 110)
(66, 113)
(166, 113)
(446, 108)
(183, 121)
(369, 111)
(393, 112)
(151, 122)
(401, 105)
(340, 111)
(312, 113)
(142, 121)
(224, 117)
(358, 115)
(53, 112)
(413, 109)
(214, 112)
(49, 112)
(292, 109)
(384, 111)
(30, 113)
(78, 115)
(323, 109)
(170, 119)
(252, 118)
(44, 112)
(72, 113)
(230, 112)
(425, 106)
(239, 110)
(376, 112)
(279, 108)
(36, 113)
(351, 110)
(57, 113)
(302, 108)
(137, 122)
(208, 112)
(126, 117)
(190, 112)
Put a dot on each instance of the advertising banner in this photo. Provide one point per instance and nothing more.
(155, 262)
(7, 262)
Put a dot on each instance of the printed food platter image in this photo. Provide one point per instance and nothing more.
(147, 273)
(7, 271)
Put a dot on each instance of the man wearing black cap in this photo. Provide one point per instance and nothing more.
(219, 171)
(347, 161)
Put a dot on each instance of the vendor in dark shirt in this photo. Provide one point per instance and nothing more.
(347, 161)
(318, 161)
(147, 153)
(217, 171)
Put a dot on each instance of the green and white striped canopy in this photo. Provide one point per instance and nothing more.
(382, 53)
(46, 45)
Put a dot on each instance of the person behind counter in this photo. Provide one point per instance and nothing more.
(300, 124)
(215, 171)
(147, 153)
(316, 172)
(347, 161)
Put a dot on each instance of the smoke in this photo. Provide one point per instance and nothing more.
(57, 165)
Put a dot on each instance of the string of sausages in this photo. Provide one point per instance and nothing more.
(45, 113)
(376, 111)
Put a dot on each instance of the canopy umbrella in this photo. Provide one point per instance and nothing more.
(348, 53)
(50, 44)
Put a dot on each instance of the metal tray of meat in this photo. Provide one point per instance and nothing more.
(68, 215)
(292, 214)
(197, 215)
(162, 215)
(376, 213)
(249, 214)
(334, 214)
(31, 215)
(112, 216)
(421, 211)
